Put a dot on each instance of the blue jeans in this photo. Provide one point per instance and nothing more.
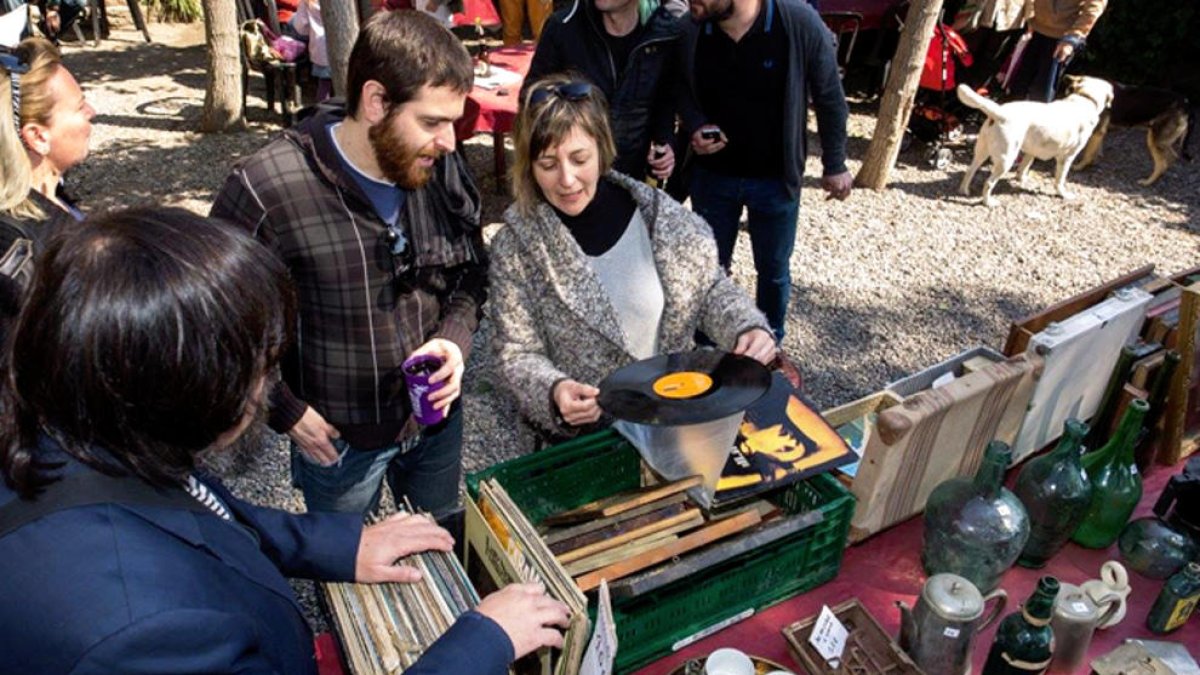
(1038, 73)
(426, 469)
(773, 213)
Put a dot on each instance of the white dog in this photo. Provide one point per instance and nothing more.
(1057, 130)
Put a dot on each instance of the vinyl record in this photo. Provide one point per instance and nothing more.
(684, 388)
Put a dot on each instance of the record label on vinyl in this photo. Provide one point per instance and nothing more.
(684, 388)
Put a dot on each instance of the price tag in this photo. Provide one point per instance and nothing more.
(950, 632)
(829, 636)
(1079, 607)
(602, 650)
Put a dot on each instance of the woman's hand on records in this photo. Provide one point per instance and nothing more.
(576, 402)
(528, 616)
(758, 344)
(395, 537)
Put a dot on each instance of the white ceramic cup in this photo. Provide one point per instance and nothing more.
(728, 661)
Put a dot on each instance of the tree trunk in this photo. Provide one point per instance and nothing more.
(223, 88)
(898, 94)
(341, 29)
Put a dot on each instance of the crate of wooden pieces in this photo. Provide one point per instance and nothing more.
(674, 571)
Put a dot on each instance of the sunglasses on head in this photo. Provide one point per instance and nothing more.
(570, 91)
(16, 67)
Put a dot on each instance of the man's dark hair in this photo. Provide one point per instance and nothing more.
(144, 339)
(403, 51)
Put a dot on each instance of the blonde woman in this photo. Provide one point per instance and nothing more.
(594, 270)
(45, 124)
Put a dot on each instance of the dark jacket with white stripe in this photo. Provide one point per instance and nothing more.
(123, 588)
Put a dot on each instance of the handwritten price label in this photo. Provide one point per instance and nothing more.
(829, 637)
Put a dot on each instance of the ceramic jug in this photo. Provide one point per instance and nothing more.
(937, 632)
(1076, 618)
(1114, 579)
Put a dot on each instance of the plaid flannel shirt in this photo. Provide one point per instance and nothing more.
(361, 310)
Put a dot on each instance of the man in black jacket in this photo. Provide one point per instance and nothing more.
(634, 60)
(377, 220)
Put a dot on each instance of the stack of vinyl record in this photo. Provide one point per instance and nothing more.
(384, 628)
(532, 562)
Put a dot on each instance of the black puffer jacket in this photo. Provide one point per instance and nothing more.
(642, 99)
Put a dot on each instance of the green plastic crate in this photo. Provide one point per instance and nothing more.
(602, 464)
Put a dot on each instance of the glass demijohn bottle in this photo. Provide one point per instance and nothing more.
(975, 527)
(1056, 493)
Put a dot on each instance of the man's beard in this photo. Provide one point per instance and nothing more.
(244, 456)
(397, 159)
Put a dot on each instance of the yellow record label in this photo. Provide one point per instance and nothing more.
(684, 384)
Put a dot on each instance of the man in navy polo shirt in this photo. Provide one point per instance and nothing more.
(751, 67)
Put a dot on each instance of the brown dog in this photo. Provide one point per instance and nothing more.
(1165, 115)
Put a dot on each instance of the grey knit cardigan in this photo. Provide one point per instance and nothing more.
(553, 318)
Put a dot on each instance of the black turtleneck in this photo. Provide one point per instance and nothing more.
(601, 223)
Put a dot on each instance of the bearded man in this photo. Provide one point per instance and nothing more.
(377, 219)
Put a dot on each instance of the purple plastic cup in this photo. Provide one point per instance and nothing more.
(417, 370)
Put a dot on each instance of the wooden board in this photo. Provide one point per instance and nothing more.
(555, 535)
(936, 435)
(688, 518)
(1178, 440)
(620, 503)
(727, 549)
(1026, 327)
(701, 537)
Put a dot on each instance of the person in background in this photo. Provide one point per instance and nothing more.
(752, 66)
(594, 270)
(143, 353)
(377, 219)
(630, 50)
(45, 128)
(307, 22)
(513, 14)
(1058, 31)
(58, 16)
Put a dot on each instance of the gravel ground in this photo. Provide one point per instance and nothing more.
(885, 283)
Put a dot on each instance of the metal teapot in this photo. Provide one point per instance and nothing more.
(937, 633)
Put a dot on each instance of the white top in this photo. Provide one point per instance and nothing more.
(628, 274)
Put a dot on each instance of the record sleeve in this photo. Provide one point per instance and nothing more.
(781, 440)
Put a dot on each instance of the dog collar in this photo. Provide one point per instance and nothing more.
(1099, 104)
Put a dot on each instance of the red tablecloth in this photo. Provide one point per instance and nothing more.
(495, 110)
(887, 568)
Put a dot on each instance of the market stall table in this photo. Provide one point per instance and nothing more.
(887, 568)
(494, 109)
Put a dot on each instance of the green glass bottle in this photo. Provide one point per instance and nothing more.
(1024, 641)
(1056, 493)
(1116, 483)
(1176, 601)
(975, 527)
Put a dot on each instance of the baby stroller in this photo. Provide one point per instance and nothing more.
(937, 114)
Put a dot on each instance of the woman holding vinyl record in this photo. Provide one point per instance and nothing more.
(594, 270)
